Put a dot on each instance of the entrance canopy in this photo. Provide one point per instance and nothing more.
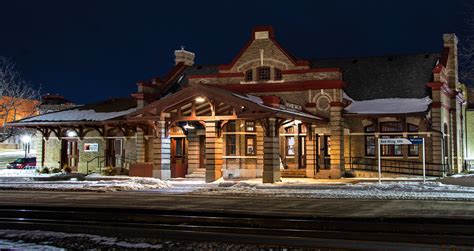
(200, 102)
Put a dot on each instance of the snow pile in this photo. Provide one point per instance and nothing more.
(460, 180)
(18, 172)
(389, 106)
(132, 183)
(366, 190)
(80, 241)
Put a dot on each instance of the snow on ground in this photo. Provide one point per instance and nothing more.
(131, 183)
(88, 240)
(24, 173)
(400, 190)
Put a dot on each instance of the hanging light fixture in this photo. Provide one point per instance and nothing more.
(188, 126)
(200, 99)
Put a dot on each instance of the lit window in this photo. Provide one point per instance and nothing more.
(249, 126)
(278, 74)
(290, 146)
(263, 73)
(230, 140)
(249, 75)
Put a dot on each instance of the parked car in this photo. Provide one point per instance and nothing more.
(22, 163)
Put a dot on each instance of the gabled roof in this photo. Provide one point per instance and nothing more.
(403, 76)
(112, 109)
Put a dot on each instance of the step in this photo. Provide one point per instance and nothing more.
(198, 173)
(293, 173)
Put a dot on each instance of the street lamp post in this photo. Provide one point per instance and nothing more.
(26, 143)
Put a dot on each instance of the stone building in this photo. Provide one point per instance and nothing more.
(269, 114)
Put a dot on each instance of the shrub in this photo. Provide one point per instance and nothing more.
(56, 170)
(110, 171)
(67, 169)
(45, 170)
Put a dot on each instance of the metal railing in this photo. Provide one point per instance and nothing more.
(396, 166)
(124, 161)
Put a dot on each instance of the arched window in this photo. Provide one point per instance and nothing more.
(249, 75)
(278, 74)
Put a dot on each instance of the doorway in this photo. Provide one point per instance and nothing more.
(114, 152)
(202, 151)
(323, 150)
(69, 153)
(178, 157)
(302, 152)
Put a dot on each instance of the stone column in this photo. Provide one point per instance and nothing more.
(161, 153)
(271, 153)
(337, 141)
(260, 137)
(39, 147)
(213, 152)
(310, 152)
(193, 151)
(140, 145)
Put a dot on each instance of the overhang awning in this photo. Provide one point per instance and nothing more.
(244, 105)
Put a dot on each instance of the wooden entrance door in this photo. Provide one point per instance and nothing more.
(70, 153)
(114, 152)
(178, 157)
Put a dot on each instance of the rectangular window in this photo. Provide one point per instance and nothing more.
(290, 146)
(179, 147)
(230, 145)
(391, 127)
(413, 150)
(249, 126)
(391, 150)
(278, 74)
(263, 73)
(249, 75)
(370, 145)
(250, 145)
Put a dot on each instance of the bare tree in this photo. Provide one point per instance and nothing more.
(17, 98)
(466, 45)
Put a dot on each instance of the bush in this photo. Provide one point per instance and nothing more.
(67, 169)
(45, 170)
(56, 170)
(110, 171)
(349, 174)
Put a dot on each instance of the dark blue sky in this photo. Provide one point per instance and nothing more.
(92, 50)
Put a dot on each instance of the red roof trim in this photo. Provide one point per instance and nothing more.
(283, 87)
(299, 71)
(271, 36)
(435, 85)
(218, 75)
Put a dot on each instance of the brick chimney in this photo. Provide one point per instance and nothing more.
(272, 101)
(451, 41)
(184, 56)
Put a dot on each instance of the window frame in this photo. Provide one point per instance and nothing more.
(413, 148)
(278, 74)
(259, 73)
(249, 124)
(253, 138)
(248, 76)
(371, 138)
(287, 146)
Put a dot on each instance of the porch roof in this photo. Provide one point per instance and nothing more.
(102, 112)
(254, 106)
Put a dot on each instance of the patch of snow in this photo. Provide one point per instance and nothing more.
(389, 106)
(77, 115)
(131, 183)
(364, 190)
(33, 172)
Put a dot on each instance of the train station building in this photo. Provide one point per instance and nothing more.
(270, 114)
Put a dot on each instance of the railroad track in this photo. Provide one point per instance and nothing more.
(245, 228)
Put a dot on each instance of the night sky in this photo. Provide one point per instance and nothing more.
(92, 50)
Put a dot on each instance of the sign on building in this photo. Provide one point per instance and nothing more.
(91, 147)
